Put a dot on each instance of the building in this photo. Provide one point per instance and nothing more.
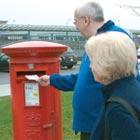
(68, 35)
(136, 37)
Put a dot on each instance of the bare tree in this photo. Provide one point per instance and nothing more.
(134, 9)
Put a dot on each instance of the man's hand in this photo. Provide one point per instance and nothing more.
(44, 80)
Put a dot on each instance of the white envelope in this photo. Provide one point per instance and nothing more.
(32, 77)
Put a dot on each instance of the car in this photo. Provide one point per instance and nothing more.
(138, 69)
(68, 59)
(4, 64)
(138, 53)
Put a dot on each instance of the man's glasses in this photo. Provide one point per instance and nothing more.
(78, 19)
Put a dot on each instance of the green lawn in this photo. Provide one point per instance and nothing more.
(5, 118)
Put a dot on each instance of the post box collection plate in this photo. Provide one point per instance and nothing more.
(32, 94)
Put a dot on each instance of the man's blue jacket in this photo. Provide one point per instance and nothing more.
(88, 102)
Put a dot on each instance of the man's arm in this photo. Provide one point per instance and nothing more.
(61, 82)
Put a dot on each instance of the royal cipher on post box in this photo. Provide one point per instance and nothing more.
(36, 109)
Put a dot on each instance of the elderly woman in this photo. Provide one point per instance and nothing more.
(113, 63)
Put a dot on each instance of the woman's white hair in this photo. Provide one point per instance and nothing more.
(112, 55)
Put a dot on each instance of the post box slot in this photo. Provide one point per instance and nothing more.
(21, 75)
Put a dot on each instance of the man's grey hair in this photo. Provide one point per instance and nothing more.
(92, 9)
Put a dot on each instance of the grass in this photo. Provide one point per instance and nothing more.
(5, 118)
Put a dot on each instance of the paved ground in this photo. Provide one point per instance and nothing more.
(5, 90)
(4, 84)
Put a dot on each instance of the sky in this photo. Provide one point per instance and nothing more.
(60, 12)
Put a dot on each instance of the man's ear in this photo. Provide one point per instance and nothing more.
(87, 20)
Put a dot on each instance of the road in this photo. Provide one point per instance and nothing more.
(5, 79)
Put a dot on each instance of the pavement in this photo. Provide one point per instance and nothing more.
(4, 84)
(4, 90)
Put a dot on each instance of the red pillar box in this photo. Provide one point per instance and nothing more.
(36, 110)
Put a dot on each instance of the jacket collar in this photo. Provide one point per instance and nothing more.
(116, 87)
(105, 27)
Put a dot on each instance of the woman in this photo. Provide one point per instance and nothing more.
(113, 63)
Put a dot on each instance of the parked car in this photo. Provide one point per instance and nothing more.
(138, 53)
(138, 64)
(4, 65)
(68, 59)
(138, 58)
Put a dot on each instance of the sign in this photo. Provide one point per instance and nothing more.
(32, 94)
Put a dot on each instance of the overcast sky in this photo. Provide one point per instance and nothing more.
(60, 12)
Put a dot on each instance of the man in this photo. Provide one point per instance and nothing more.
(88, 103)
